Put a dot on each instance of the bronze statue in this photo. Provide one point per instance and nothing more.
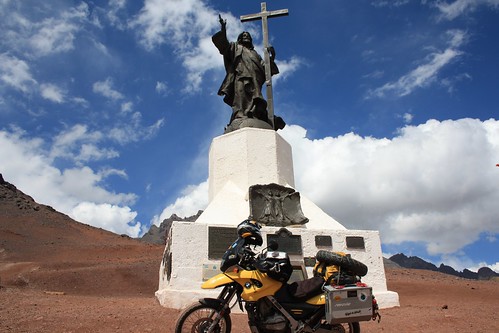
(242, 85)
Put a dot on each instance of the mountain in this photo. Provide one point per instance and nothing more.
(483, 273)
(42, 248)
(157, 235)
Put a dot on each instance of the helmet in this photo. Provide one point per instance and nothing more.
(250, 231)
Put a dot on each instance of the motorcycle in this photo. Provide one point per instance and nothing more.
(259, 281)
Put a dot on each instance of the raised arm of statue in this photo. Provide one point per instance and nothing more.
(223, 23)
(220, 38)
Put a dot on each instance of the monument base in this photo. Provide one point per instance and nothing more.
(194, 257)
(238, 161)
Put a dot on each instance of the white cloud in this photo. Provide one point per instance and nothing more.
(105, 88)
(77, 191)
(120, 220)
(16, 73)
(186, 26)
(287, 68)
(193, 199)
(113, 13)
(133, 130)
(426, 73)
(408, 118)
(52, 92)
(80, 145)
(127, 107)
(434, 183)
(179, 23)
(36, 37)
(162, 88)
(452, 10)
(390, 3)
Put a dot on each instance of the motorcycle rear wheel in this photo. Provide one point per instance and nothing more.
(346, 328)
(198, 317)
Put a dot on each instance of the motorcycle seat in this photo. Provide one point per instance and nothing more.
(300, 291)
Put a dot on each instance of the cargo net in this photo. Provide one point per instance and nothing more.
(338, 268)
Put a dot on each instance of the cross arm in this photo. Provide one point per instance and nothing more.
(258, 16)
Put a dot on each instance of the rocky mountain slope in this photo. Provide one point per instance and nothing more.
(40, 247)
(484, 273)
(157, 235)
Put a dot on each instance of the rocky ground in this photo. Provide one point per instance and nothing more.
(430, 302)
(57, 275)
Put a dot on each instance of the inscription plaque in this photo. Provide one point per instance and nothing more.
(287, 241)
(309, 261)
(355, 242)
(323, 241)
(219, 240)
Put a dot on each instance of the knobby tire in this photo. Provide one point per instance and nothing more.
(196, 318)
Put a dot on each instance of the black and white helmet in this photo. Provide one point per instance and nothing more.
(250, 231)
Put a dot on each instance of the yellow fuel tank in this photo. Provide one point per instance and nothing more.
(255, 284)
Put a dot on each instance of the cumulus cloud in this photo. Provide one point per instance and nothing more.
(110, 217)
(434, 183)
(76, 191)
(457, 8)
(426, 73)
(194, 198)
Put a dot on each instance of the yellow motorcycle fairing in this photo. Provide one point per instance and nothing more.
(255, 284)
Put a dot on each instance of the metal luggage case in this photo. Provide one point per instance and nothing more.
(348, 304)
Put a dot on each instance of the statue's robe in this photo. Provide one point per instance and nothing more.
(245, 76)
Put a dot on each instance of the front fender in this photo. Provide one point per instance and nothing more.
(212, 303)
(216, 281)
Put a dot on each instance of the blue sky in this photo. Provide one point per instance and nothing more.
(108, 108)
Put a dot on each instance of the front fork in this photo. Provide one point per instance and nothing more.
(221, 304)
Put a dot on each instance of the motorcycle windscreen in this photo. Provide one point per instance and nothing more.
(231, 256)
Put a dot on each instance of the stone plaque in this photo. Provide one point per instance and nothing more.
(287, 241)
(323, 241)
(309, 261)
(275, 205)
(355, 242)
(219, 240)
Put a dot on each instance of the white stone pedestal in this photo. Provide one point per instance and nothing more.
(238, 160)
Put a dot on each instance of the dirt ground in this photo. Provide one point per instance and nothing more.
(57, 275)
(430, 302)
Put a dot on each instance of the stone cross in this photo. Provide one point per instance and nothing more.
(264, 15)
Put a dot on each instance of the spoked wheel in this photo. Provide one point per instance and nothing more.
(346, 328)
(198, 318)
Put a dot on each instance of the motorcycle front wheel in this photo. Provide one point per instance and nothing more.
(198, 317)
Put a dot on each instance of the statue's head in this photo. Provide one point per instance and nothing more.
(245, 39)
